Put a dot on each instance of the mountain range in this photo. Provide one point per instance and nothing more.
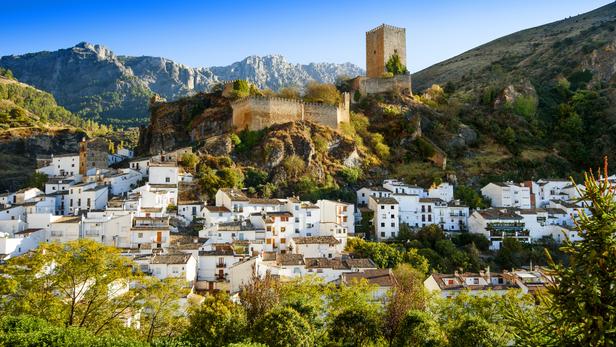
(92, 81)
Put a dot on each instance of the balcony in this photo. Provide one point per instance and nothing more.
(221, 265)
(220, 277)
(56, 233)
(461, 214)
(509, 234)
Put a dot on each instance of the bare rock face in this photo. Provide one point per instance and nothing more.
(20, 151)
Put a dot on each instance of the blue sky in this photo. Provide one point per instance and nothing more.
(206, 33)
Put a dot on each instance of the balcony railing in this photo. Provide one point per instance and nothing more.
(504, 234)
(218, 265)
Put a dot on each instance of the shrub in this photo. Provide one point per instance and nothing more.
(189, 160)
(322, 92)
(289, 93)
(241, 89)
(394, 65)
(525, 106)
(294, 166)
(350, 174)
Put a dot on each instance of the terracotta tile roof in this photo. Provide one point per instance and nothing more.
(385, 201)
(379, 277)
(177, 258)
(288, 259)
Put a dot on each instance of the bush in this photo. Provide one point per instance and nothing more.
(394, 65)
(322, 92)
(294, 166)
(189, 160)
(289, 93)
(241, 89)
(525, 106)
(350, 174)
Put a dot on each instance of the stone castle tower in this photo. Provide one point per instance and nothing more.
(381, 43)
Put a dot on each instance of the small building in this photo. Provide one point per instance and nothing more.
(177, 265)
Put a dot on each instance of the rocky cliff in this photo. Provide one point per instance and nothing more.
(20, 147)
(92, 81)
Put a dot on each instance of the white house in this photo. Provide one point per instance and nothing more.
(316, 246)
(58, 184)
(122, 181)
(140, 164)
(339, 212)
(150, 232)
(215, 261)
(386, 217)
(496, 225)
(383, 279)
(190, 210)
(177, 265)
(64, 229)
(364, 193)
(86, 196)
(482, 283)
(507, 194)
(18, 243)
(62, 165)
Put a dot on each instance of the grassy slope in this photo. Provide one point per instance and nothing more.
(521, 48)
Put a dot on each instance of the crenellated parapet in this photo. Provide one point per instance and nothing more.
(258, 112)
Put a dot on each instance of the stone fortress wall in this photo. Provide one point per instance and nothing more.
(257, 112)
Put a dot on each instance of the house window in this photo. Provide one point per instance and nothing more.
(382, 234)
(382, 225)
(283, 229)
(309, 214)
(283, 240)
(429, 208)
(393, 225)
(392, 207)
(382, 207)
(167, 179)
(429, 218)
(140, 235)
(284, 219)
(423, 208)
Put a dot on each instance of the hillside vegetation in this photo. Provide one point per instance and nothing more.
(543, 100)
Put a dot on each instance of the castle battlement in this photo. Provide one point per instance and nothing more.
(265, 98)
(385, 26)
(258, 112)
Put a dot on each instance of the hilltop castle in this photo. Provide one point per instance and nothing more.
(382, 43)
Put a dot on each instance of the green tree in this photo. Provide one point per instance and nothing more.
(419, 328)
(284, 327)
(383, 255)
(37, 180)
(474, 331)
(189, 160)
(511, 254)
(356, 327)
(216, 322)
(259, 296)
(408, 294)
(582, 302)
(78, 283)
(305, 296)
(394, 65)
(469, 196)
(28, 331)
(162, 313)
